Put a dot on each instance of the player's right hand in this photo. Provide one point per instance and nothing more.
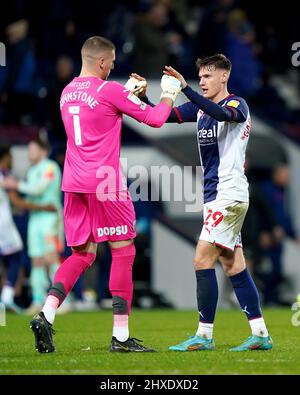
(170, 86)
(136, 85)
(50, 208)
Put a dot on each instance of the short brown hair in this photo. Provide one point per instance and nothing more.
(42, 142)
(219, 61)
(95, 45)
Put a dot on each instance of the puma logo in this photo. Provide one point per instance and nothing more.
(245, 310)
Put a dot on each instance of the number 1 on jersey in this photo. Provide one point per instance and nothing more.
(74, 110)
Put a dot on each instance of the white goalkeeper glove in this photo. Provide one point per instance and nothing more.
(135, 86)
(170, 86)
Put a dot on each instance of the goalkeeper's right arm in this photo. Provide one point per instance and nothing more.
(160, 113)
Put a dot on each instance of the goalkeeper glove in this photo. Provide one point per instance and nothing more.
(170, 86)
(135, 86)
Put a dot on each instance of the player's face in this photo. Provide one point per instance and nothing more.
(107, 63)
(6, 162)
(212, 81)
(35, 152)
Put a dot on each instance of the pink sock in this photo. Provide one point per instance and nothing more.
(120, 282)
(69, 272)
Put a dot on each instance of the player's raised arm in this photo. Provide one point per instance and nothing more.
(208, 106)
(128, 103)
(187, 112)
(170, 88)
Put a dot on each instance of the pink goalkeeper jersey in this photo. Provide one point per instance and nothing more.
(92, 111)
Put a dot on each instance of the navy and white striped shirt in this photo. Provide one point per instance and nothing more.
(222, 131)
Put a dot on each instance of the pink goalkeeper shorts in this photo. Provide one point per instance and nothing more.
(89, 219)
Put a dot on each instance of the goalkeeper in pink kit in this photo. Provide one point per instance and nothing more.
(97, 205)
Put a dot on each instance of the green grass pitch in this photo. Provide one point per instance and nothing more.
(82, 341)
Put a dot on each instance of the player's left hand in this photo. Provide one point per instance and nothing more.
(143, 83)
(137, 85)
(174, 73)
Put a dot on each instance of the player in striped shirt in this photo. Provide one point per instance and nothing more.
(223, 128)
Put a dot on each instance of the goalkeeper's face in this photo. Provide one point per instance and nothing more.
(212, 81)
(107, 63)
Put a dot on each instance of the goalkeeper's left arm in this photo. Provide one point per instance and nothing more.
(170, 89)
(138, 85)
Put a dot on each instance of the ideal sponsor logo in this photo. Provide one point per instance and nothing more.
(111, 231)
(207, 134)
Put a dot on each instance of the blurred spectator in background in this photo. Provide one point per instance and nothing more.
(160, 37)
(177, 34)
(272, 48)
(10, 241)
(269, 104)
(57, 32)
(150, 53)
(275, 191)
(261, 226)
(45, 229)
(119, 31)
(213, 28)
(18, 81)
(64, 73)
(241, 48)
